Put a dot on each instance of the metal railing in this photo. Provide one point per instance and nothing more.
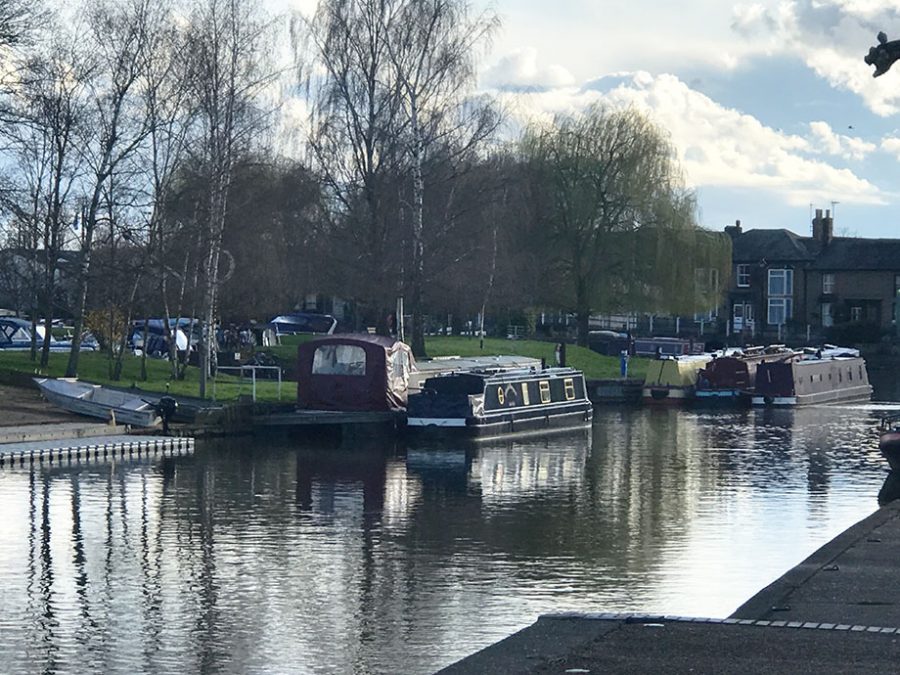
(241, 370)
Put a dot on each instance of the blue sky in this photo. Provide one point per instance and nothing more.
(769, 104)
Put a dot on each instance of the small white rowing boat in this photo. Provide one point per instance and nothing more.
(93, 400)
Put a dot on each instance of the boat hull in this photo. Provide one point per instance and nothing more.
(729, 397)
(889, 444)
(520, 422)
(812, 381)
(673, 395)
(93, 401)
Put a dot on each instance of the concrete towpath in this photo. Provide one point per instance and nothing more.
(836, 612)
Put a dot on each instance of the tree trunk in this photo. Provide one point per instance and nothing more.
(418, 259)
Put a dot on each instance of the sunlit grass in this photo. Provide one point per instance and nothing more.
(96, 367)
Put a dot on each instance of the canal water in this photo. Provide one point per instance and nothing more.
(279, 555)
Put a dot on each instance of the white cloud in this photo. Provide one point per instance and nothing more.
(520, 70)
(751, 20)
(720, 146)
(831, 37)
(891, 146)
(825, 140)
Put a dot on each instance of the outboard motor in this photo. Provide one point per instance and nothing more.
(166, 408)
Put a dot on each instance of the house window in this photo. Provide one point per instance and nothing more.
(827, 315)
(781, 291)
(856, 313)
(743, 276)
(827, 283)
(781, 282)
(780, 310)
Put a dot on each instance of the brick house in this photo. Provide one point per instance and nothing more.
(785, 283)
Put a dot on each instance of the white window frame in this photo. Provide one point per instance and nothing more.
(786, 277)
(743, 275)
(828, 283)
(780, 307)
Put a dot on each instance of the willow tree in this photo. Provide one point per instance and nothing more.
(601, 187)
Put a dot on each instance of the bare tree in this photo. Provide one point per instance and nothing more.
(354, 144)
(117, 124)
(48, 103)
(227, 46)
(17, 21)
(432, 45)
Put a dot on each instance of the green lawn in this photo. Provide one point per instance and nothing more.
(594, 365)
(94, 366)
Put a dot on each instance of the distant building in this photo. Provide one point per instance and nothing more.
(783, 282)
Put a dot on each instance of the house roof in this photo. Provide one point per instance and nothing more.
(851, 253)
(756, 246)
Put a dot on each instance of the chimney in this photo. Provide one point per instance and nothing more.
(733, 230)
(823, 227)
(827, 228)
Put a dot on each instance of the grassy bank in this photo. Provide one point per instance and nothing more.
(16, 367)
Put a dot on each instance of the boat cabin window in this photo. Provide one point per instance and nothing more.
(570, 388)
(545, 391)
(13, 333)
(339, 360)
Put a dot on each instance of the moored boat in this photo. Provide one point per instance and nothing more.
(731, 376)
(816, 376)
(889, 440)
(673, 379)
(500, 402)
(84, 398)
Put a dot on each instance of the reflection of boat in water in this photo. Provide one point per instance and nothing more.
(730, 378)
(830, 375)
(523, 469)
(673, 379)
(492, 403)
(889, 440)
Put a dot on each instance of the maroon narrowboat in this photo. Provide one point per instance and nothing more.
(730, 377)
(829, 375)
(353, 373)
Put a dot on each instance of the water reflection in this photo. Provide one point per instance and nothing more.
(270, 555)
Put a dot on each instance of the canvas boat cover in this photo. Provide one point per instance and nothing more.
(353, 373)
